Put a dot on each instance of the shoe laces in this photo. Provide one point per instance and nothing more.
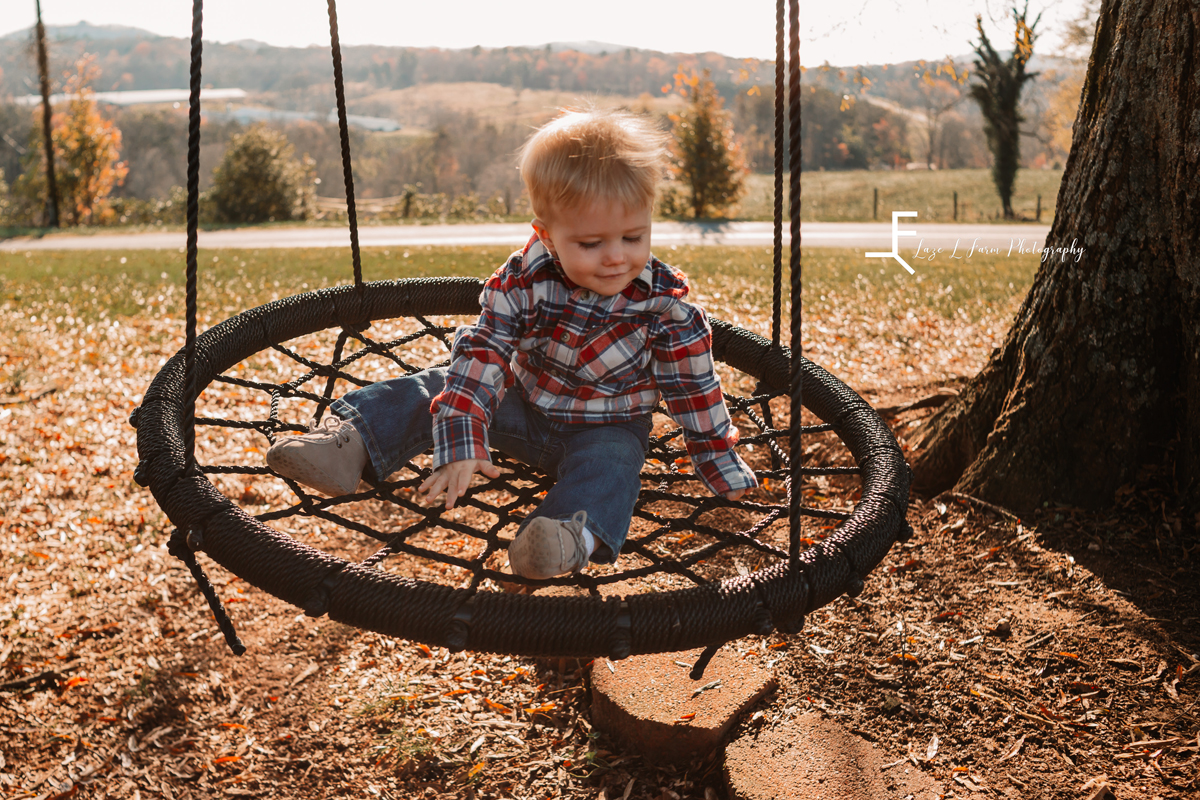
(334, 425)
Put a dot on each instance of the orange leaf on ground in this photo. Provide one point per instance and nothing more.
(76, 681)
(226, 759)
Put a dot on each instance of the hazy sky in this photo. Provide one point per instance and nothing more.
(843, 33)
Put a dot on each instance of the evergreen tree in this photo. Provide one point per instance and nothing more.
(707, 158)
(998, 95)
(261, 180)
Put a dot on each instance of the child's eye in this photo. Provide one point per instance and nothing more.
(633, 239)
(589, 245)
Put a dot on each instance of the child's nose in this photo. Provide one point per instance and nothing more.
(612, 255)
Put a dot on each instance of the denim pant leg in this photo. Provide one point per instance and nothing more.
(596, 469)
(393, 417)
(394, 421)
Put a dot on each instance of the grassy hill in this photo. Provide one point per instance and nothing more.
(420, 108)
(465, 112)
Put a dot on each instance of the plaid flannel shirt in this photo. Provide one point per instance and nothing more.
(582, 357)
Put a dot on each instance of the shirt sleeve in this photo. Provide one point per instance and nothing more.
(479, 371)
(683, 368)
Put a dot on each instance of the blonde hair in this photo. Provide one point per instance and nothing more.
(598, 154)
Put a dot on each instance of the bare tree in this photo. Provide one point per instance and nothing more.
(999, 94)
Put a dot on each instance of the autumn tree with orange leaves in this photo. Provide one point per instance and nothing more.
(706, 156)
(87, 153)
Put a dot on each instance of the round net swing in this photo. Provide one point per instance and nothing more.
(696, 570)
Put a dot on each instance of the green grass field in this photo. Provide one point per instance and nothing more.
(97, 284)
(849, 196)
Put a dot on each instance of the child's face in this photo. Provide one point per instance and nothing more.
(601, 246)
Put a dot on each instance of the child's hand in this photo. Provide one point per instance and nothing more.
(735, 495)
(454, 478)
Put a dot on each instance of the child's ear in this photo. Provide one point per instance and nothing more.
(543, 234)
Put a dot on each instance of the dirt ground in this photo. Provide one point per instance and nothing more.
(1042, 657)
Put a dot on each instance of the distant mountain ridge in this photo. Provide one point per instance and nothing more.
(82, 30)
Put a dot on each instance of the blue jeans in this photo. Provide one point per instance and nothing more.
(596, 466)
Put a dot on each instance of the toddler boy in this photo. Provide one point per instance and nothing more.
(579, 334)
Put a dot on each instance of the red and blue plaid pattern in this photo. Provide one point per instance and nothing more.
(584, 358)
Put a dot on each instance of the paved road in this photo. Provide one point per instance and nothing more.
(876, 236)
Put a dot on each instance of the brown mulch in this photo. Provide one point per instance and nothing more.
(1041, 657)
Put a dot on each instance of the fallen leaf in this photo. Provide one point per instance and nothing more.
(496, 706)
(307, 673)
(1012, 751)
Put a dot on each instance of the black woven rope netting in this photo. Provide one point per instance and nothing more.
(275, 369)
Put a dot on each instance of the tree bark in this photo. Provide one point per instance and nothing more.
(1101, 369)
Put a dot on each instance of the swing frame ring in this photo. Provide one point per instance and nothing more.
(778, 596)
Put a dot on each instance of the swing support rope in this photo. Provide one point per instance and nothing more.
(184, 543)
(795, 496)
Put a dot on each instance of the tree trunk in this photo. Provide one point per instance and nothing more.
(47, 129)
(1101, 369)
